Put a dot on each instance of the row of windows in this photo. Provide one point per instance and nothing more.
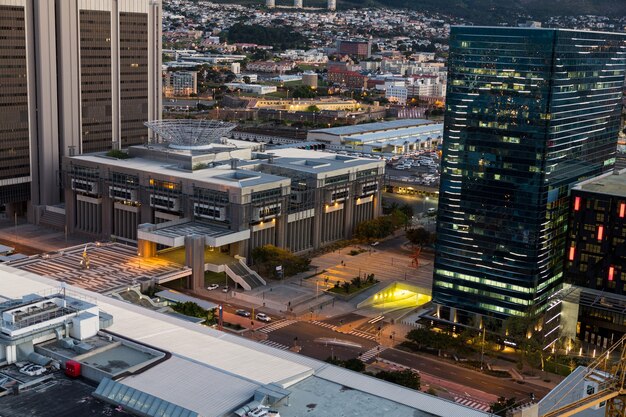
(484, 281)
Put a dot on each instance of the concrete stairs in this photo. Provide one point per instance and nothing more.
(52, 219)
(244, 276)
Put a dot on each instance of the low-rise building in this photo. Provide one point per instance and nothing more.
(252, 88)
(197, 183)
(180, 83)
(349, 79)
(395, 137)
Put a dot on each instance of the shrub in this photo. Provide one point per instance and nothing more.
(116, 153)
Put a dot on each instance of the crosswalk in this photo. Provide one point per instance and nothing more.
(277, 325)
(364, 335)
(274, 344)
(371, 353)
(322, 324)
(472, 403)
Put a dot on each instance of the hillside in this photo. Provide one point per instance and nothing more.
(482, 11)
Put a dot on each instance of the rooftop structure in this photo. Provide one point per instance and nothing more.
(246, 372)
(191, 134)
(398, 136)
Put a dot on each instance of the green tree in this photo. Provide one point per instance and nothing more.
(419, 236)
(313, 109)
(268, 257)
(501, 406)
(406, 378)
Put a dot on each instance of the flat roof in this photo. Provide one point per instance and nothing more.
(320, 162)
(409, 133)
(372, 127)
(173, 234)
(221, 175)
(613, 183)
(233, 366)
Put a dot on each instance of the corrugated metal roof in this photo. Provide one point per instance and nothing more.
(137, 401)
(371, 127)
(199, 387)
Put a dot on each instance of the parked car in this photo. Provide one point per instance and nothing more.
(263, 317)
(432, 211)
(212, 287)
(225, 288)
(242, 313)
(375, 243)
(33, 370)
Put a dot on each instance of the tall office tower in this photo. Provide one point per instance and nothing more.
(270, 4)
(332, 4)
(529, 112)
(297, 4)
(78, 76)
(17, 128)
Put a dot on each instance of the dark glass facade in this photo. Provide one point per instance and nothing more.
(14, 122)
(595, 257)
(95, 80)
(133, 78)
(529, 113)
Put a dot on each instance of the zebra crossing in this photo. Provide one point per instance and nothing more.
(472, 404)
(277, 325)
(275, 345)
(364, 335)
(371, 353)
(322, 324)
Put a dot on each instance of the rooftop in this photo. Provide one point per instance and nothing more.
(613, 183)
(373, 127)
(203, 357)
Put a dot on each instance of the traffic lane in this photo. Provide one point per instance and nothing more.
(450, 372)
(306, 333)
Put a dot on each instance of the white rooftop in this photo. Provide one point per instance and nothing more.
(229, 368)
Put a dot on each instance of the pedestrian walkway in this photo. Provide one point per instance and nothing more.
(371, 353)
(363, 335)
(277, 325)
(472, 403)
(322, 324)
(275, 345)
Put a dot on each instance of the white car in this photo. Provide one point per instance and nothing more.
(225, 289)
(263, 317)
(33, 370)
(212, 287)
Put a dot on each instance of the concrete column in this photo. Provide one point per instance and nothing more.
(107, 217)
(281, 230)
(145, 248)
(70, 209)
(453, 317)
(194, 258)
(317, 219)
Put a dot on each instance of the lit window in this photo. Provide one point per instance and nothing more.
(611, 273)
(622, 209)
(577, 204)
(572, 253)
(600, 232)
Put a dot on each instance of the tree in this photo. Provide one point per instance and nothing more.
(246, 79)
(406, 378)
(346, 286)
(313, 109)
(420, 236)
(268, 257)
(501, 406)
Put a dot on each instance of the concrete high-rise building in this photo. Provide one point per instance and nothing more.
(530, 112)
(332, 4)
(297, 4)
(83, 76)
(270, 4)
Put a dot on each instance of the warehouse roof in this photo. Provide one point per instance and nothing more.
(373, 127)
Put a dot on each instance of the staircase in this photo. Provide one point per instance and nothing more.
(52, 219)
(244, 276)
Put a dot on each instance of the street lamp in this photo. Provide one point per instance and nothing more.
(425, 200)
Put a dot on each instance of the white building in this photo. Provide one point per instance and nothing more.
(252, 88)
(180, 83)
(397, 94)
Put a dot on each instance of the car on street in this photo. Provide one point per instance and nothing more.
(242, 313)
(263, 317)
(212, 287)
(225, 288)
(375, 243)
(432, 211)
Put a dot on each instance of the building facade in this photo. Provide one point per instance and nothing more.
(358, 48)
(529, 112)
(595, 257)
(180, 83)
(83, 76)
(292, 198)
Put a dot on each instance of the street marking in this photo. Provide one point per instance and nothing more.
(277, 325)
(275, 345)
(371, 353)
(363, 335)
(472, 404)
(322, 324)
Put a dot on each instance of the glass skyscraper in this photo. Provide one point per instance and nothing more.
(529, 113)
